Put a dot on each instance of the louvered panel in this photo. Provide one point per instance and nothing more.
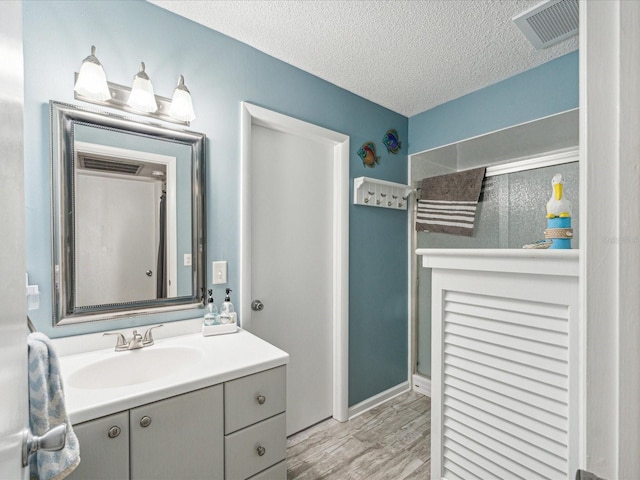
(472, 426)
(501, 410)
(491, 461)
(552, 324)
(508, 365)
(521, 382)
(532, 410)
(507, 391)
(493, 338)
(458, 466)
(463, 402)
(525, 358)
(531, 332)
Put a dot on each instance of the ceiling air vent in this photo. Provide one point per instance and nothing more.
(112, 166)
(549, 22)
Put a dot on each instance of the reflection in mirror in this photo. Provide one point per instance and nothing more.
(128, 216)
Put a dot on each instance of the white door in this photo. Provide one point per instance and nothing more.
(291, 260)
(120, 227)
(13, 326)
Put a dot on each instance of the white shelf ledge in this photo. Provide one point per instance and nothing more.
(532, 261)
(380, 193)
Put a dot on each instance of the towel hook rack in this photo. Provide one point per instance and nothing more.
(365, 189)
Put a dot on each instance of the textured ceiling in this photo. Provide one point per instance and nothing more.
(408, 56)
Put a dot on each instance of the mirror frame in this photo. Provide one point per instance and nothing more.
(63, 118)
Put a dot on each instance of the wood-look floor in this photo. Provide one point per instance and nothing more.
(389, 442)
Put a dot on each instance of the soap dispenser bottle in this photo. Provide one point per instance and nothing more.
(227, 312)
(211, 311)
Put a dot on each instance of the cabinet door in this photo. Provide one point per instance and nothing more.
(179, 438)
(104, 448)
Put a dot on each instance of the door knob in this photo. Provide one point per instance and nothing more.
(257, 305)
(52, 441)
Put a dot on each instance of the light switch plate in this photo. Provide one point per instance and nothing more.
(219, 272)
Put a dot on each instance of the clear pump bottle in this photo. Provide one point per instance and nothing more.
(211, 311)
(227, 312)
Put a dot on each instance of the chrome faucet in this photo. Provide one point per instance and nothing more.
(137, 341)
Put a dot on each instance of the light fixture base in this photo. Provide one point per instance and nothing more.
(120, 95)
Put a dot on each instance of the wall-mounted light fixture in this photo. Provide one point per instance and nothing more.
(92, 81)
(181, 104)
(92, 86)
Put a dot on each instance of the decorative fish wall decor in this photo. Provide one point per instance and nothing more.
(391, 141)
(367, 153)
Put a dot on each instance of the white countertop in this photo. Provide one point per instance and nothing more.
(225, 357)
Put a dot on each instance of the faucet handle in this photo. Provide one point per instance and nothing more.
(148, 337)
(121, 344)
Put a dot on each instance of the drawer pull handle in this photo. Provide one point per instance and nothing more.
(261, 450)
(261, 399)
(114, 431)
(145, 421)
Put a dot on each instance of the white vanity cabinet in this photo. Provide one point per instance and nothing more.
(223, 417)
(234, 430)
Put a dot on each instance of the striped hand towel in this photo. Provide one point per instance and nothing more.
(47, 410)
(448, 203)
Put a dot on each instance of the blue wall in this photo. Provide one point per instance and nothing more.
(539, 92)
(220, 72)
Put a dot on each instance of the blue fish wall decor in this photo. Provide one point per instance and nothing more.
(391, 141)
(367, 153)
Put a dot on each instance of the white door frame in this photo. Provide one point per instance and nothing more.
(610, 236)
(254, 115)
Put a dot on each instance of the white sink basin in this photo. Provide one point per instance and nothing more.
(132, 367)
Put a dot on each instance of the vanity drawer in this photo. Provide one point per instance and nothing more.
(255, 448)
(253, 398)
(277, 472)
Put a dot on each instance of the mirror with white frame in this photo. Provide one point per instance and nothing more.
(128, 201)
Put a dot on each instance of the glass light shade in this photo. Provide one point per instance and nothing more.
(92, 81)
(181, 103)
(142, 97)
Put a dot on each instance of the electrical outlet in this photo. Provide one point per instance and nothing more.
(219, 272)
(187, 260)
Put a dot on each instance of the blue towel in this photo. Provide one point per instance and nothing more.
(47, 410)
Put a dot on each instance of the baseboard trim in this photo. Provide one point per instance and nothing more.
(421, 385)
(380, 398)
